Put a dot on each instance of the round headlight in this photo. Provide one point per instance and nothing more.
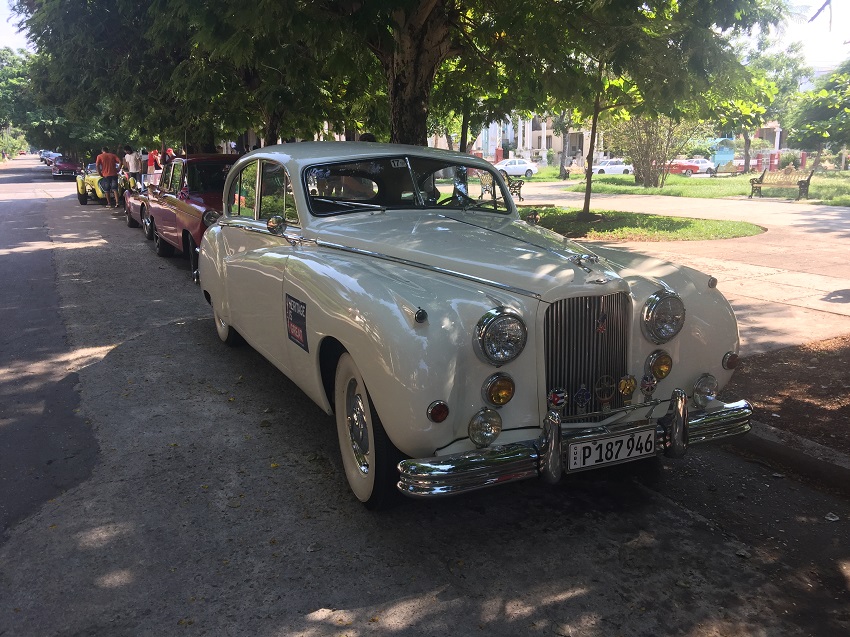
(210, 217)
(659, 364)
(498, 389)
(705, 390)
(500, 336)
(485, 427)
(663, 317)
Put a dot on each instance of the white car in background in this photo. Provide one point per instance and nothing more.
(706, 166)
(612, 167)
(516, 167)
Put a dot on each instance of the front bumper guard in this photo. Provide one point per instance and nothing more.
(544, 457)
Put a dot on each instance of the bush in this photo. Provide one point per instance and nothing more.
(789, 158)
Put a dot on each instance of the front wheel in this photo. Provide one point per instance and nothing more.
(147, 222)
(600, 172)
(162, 247)
(192, 253)
(503, 174)
(368, 456)
(227, 334)
(625, 172)
(528, 173)
(83, 198)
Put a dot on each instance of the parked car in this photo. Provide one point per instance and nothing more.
(612, 167)
(62, 167)
(705, 166)
(176, 211)
(458, 346)
(89, 186)
(517, 167)
(22, 152)
(684, 167)
(48, 156)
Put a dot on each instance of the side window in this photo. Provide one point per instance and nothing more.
(165, 177)
(176, 182)
(276, 194)
(243, 192)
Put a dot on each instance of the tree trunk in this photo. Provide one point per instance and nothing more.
(421, 41)
(747, 143)
(585, 215)
(464, 130)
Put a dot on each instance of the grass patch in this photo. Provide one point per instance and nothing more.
(827, 187)
(633, 226)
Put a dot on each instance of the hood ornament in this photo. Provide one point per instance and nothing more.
(582, 259)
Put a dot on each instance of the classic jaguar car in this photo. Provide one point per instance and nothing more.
(176, 211)
(458, 346)
(89, 186)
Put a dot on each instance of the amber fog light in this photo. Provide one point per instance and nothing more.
(731, 360)
(659, 364)
(498, 389)
(438, 411)
(485, 427)
(705, 390)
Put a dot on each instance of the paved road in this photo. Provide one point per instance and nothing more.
(788, 286)
(217, 504)
(45, 447)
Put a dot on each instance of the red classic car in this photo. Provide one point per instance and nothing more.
(682, 167)
(186, 201)
(62, 167)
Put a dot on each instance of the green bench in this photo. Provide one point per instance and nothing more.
(788, 177)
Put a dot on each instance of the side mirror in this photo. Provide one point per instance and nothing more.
(276, 225)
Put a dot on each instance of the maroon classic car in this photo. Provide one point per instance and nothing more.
(186, 201)
(63, 167)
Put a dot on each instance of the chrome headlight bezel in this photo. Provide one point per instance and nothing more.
(493, 344)
(663, 317)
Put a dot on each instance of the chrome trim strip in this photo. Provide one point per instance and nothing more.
(543, 457)
(425, 266)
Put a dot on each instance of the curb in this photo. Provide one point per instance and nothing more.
(802, 456)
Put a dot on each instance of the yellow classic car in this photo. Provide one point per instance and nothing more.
(89, 186)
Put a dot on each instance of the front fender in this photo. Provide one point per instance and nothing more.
(371, 306)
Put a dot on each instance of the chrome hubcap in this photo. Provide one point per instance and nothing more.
(358, 429)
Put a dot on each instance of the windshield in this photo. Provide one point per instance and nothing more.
(402, 182)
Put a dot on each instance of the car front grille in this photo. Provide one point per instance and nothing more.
(586, 339)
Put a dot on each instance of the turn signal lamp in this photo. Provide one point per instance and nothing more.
(498, 389)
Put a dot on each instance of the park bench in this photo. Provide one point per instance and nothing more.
(515, 186)
(486, 180)
(729, 168)
(788, 177)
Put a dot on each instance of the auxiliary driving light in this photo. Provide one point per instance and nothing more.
(485, 427)
(705, 390)
(659, 364)
(498, 389)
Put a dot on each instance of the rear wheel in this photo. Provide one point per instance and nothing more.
(368, 456)
(131, 223)
(688, 172)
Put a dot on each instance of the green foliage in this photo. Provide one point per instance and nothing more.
(789, 159)
(632, 226)
(822, 115)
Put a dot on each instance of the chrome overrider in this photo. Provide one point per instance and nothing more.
(544, 457)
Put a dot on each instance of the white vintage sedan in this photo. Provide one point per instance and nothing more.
(458, 346)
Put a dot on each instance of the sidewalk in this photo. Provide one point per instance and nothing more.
(788, 286)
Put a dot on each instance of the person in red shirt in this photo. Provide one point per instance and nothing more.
(107, 167)
(153, 164)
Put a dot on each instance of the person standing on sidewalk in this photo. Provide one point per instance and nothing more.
(107, 167)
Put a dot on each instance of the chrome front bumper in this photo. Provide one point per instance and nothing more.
(544, 457)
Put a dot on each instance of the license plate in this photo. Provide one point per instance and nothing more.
(611, 450)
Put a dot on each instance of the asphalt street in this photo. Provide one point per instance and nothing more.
(215, 502)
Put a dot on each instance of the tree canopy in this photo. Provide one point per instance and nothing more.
(201, 71)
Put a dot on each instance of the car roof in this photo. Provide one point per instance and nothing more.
(298, 155)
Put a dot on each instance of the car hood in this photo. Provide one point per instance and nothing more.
(505, 252)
